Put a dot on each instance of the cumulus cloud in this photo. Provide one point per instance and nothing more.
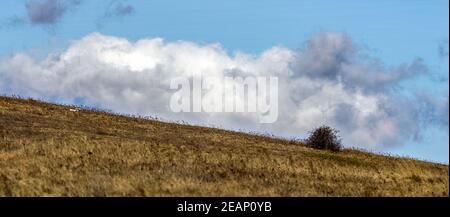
(116, 9)
(333, 56)
(119, 9)
(329, 81)
(42, 12)
(436, 110)
(48, 11)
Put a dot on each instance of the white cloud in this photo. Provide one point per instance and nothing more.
(324, 83)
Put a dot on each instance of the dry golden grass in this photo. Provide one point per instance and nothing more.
(47, 150)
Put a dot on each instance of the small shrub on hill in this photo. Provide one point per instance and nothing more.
(325, 138)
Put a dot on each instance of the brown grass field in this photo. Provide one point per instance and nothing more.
(48, 150)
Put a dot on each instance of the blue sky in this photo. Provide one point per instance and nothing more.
(394, 31)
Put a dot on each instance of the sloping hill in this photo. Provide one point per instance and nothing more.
(48, 149)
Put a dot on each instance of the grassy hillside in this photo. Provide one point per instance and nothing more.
(47, 149)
